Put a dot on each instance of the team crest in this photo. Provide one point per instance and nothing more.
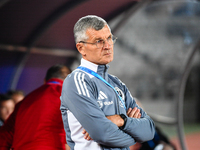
(121, 94)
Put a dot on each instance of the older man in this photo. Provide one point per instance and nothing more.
(96, 103)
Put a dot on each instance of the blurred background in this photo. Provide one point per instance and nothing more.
(157, 53)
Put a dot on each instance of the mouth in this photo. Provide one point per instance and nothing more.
(107, 54)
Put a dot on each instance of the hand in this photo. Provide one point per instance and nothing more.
(133, 113)
(67, 147)
(87, 136)
(116, 119)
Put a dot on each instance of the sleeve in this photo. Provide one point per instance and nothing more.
(7, 131)
(78, 95)
(141, 129)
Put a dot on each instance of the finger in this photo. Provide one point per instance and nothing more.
(87, 136)
(84, 131)
(128, 112)
(139, 115)
(133, 111)
(136, 115)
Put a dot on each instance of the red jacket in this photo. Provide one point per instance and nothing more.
(36, 123)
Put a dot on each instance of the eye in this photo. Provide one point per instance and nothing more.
(109, 38)
(100, 41)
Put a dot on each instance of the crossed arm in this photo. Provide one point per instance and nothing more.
(105, 130)
(116, 119)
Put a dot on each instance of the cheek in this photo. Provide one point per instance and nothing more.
(4, 110)
(97, 53)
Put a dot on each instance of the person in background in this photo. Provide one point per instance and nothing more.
(96, 103)
(36, 123)
(16, 95)
(7, 106)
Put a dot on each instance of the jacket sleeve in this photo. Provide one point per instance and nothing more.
(141, 129)
(78, 96)
(7, 130)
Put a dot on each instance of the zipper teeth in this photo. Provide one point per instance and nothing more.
(117, 105)
(117, 98)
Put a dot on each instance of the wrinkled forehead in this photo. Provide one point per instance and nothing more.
(98, 34)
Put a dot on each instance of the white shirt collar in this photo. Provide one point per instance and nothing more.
(89, 65)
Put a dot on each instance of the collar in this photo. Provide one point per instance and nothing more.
(55, 81)
(92, 66)
(100, 69)
(89, 65)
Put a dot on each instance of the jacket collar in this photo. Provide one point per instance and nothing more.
(100, 69)
(55, 81)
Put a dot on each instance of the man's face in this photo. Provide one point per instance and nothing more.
(90, 52)
(6, 109)
(65, 71)
(17, 98)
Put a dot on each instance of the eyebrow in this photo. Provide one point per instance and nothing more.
(98, 38)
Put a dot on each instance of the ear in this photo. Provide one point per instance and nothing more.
(80, 47)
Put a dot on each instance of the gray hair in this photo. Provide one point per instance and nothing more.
(87, 22)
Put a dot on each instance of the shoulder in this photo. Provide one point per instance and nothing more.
(76, 77)
(77, 73)
(116, 80)
(78, 83)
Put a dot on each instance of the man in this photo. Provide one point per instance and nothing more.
(36, 123)
(90, 105)
(16, 95)
(7, 106)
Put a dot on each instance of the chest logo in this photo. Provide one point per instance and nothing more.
(121, 94)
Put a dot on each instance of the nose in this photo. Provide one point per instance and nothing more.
(106, 44)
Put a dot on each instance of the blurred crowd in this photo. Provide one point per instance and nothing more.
(7, 103)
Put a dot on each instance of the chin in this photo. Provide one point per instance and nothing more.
(108, 61)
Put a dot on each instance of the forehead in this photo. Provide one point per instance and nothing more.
(94, 34)
(7, 102)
